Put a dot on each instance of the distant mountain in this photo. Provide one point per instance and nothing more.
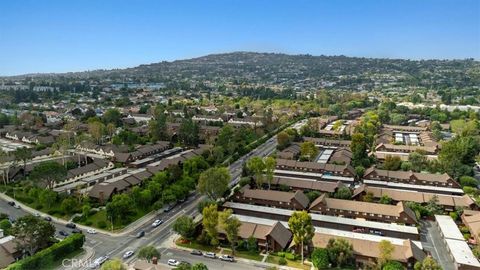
(289, 70)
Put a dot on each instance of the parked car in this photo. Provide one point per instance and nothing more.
(63, 233)
(196, 252)
(16, 206)
(92, 231)
(140, 234)
(227, 258)
(11, 203)
(210, 255)
(128, 254)
(37, 214)
(169, 207)
(76, 231)
(173, 262)
(47, 218)
(71, 225)
(157, 222)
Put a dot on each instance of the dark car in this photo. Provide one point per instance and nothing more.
(71, 225)
(47, 218)
(11, 203)
(140, 234)
(169, 207)
(76, 231)
(196, 252)
(63, 233)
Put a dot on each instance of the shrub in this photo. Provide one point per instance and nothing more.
(290, 256)
(88, 223)
(38, 206)
(282, 261)
(281, 254)
(102, 224)
(468, 181)
(320, 258)
(55, 252)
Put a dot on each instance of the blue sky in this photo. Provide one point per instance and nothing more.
(74, 35)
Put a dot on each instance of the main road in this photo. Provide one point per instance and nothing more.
(115, 246)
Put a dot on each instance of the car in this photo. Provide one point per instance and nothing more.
(210, 255)
(196, 252)
(173, 262)
(37, 214)
(157, 222)
(227, 258)
(99, 261)
(128, 254)
(169, 208)
(91, 231)
(11, 203)
(63, 233)
(76, 231)
(71, 225)
(140, 234)
(16, 206)
(47, 218)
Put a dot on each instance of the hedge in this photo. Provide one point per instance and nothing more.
(55, 252)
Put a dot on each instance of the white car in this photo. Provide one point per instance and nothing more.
(92, 231)
(128, 254)
(227, 258)
(99, 261)
(16, 206)
(157, 222)
(210, 255)
(173, 262)
(37, 214)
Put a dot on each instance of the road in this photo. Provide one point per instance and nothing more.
(116, 246)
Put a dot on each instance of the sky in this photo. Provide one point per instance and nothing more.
(78, 35)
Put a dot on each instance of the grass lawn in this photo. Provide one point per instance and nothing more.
(296, 264)
(244, 254)
(94, 220)
(196, 245)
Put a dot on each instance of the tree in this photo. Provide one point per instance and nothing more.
(148, 253)
(188, 132)
(427, 264)
(120, 207)
(95, 129)
(47, 197)
(49, 173)
(368, 197)
(256, 166)
(340, 251)
(214, 182)
(283, 140)
(433, 207)
(393, 265)
(114, 264)
(270, 164)
(457, 156)
(392, 163)
(184, 226)
(86, 210)
(210, 222)
(417, 160)
(111, 130)
(5, 225)
(61, 145)
(158, 127)
(23, 154)
(386, 249)
(308, 150)
(199, 266)
(112, 116)
(32, 233)
(231, 226)
(6, 165)
(385, 199)
(320, 258)
(300, 223)
(312, 195)
(468, 181)
(68, 205)
(343, 193)
(359, 150)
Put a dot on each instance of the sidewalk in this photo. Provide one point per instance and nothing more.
(125, 231)
(262, 263)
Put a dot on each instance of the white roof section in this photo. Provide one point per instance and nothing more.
(329, 219)
(461, 252)
(448, 227)
(411, 186)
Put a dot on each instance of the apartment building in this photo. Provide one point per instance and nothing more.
(274, 198)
